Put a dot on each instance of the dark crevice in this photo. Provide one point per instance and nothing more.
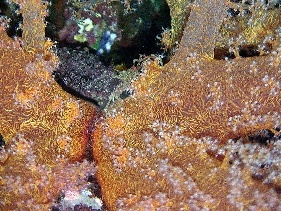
(223, 53)
(261, 137)
(2, 142)
(248, 50)
(144, 42)
(9, 11)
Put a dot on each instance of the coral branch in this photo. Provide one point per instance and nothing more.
(169, 147)
(43, 127)
(33, 13)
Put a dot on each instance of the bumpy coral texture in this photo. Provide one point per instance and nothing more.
(44, 128)
(168, 146)
(33, 23)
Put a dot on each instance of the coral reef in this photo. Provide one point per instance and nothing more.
(44, 129)
(174, 144)
(200, 133)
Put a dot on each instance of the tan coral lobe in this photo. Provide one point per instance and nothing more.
(44, 128)
(167, 147)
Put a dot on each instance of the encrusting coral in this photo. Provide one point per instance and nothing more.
(170, 147)
(44, 128)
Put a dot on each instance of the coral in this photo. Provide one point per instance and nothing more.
(246, 33)
(27, 183)
(193, 136)
(33, 24)
(44, 128)
(173, 144)
(180, 11)
(32, 101)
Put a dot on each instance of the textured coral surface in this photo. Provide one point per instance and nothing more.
(43, 128)
(168, 146)
(192, 136)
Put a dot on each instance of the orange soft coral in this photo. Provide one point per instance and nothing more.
(167, 147)
(44, 128)
(33, 103)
